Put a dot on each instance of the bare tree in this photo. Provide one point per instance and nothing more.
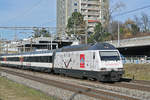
(115, 7)
(137, 21)
(114, 29)
(114, 26)
(145, 22)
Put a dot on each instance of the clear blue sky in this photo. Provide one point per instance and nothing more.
(28, 13)
(130, 5)
(43, 12)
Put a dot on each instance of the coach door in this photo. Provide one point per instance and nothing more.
(21, 61)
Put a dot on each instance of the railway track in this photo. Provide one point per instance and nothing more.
(125, 83)
(138, 82)
(141, 82)
(132, 85)
(96, 93)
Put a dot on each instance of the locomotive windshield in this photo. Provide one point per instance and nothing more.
(109, 55)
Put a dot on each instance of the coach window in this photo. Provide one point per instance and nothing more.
(25, 59)
(47, 58)
(42, 59)
(36, 59)
(13, 59)
(1, 59)
(8, 59)
(30, 59)
(50, 59)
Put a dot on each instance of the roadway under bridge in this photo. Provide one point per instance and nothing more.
(135, 51)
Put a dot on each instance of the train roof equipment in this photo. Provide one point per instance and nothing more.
(97, 46)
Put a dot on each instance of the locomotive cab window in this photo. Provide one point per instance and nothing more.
(109, 55)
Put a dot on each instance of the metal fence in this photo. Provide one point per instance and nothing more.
(135, 60)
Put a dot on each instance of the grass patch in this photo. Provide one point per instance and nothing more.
(138, 71)
(12, 91)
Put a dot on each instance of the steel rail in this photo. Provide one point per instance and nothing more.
(141, 82)
(131, 86)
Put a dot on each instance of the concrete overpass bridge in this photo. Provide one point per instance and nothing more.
(134, 46)
(132, 42)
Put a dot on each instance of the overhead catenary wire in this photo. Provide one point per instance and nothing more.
(131, 11)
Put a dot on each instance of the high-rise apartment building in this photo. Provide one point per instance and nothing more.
(93, 11)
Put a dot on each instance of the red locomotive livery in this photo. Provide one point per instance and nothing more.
(82, 61)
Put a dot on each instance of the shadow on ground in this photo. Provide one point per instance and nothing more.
(125, 80)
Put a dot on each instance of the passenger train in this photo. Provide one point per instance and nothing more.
(100, 61)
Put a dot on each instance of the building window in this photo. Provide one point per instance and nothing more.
(75, 4)
(75, 10)
(104, 0)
